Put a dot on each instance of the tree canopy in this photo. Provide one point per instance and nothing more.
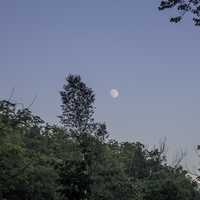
(76, 160)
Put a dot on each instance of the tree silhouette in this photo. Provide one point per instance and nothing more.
(77, 105)
(183, 7)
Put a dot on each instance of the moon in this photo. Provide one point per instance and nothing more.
(114, 93)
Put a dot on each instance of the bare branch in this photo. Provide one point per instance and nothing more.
(11, 94)
(179, 158)
(32, 102)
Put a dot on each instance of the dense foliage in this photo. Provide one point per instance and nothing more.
(183, 7)
(77, 160)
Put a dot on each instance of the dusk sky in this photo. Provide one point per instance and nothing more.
(124, 44)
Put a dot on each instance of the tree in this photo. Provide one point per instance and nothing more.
(77, 105)
(169, 184)
(77, 115)
(77, 118)
(25, 169)
(183, 7)
(75, 180)
(76, 161)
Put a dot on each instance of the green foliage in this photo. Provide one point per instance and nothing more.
(77, 104)
(25, 172)
(169, 184)
(75, 180)
(78, 161)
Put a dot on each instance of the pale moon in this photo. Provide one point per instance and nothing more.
(114, 93)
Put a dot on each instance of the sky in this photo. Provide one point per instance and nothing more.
(123, 44)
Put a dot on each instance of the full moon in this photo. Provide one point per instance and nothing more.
(114, 93)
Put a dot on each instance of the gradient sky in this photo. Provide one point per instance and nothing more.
(123, 44)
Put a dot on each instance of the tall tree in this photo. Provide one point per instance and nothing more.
(77, 105)
(77, 117)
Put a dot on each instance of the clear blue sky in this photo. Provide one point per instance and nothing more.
(123, 44)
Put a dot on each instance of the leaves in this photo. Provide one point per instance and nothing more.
(77, 105)
(39, 161)
(183, 7)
